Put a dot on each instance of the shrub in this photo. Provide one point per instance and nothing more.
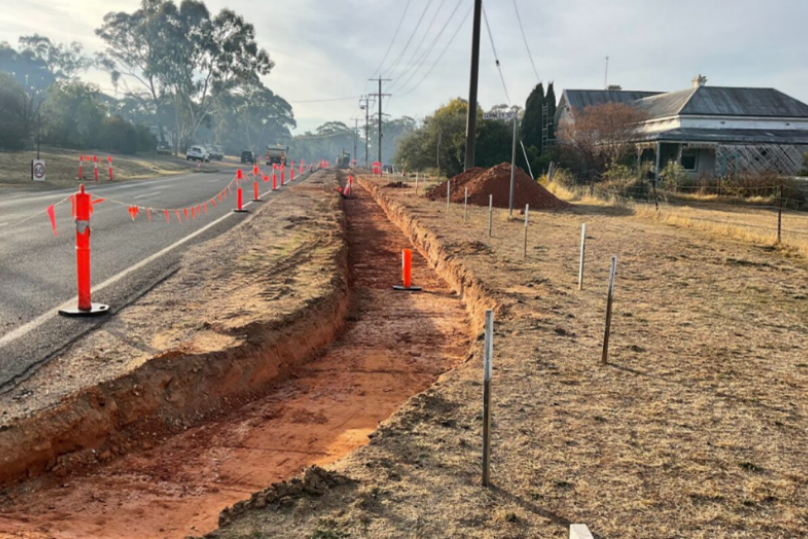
(119, 135)
(805, 164)
(675, 178)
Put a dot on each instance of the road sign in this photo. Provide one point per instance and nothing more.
(38, 170)
(498, 116)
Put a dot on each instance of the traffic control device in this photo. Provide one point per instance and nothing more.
(95, 167)
(109, 162)
(283, 174)
(255, 191)
(85, 306)
(81, 167)
(406, 273)
(274, 177)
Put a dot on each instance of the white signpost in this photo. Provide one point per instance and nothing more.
(513, 114)
(38, 170)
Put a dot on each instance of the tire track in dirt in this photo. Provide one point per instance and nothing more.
(394, 346)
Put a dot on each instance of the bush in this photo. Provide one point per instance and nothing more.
(146, 140)
(805, 164)
(119, 136)
(675, 178)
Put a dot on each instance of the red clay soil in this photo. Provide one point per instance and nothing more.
(496, 181)
(394, 346)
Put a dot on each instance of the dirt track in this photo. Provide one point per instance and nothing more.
(395, 346)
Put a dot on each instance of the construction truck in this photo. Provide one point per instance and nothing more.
(344, 160)
(276, 154)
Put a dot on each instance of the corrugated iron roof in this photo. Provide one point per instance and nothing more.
(701, 101)
(580, 99)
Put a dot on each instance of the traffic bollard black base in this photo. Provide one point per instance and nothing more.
(97, 309)
(405, 289)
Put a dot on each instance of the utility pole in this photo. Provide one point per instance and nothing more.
(471, 118)
(356, 139)
(366, 108)
(381, 96)
(606, 75)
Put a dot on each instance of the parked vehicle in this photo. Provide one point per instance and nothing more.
(198, 153)
(276, 155)
(247, 158)
(216, 152)
(165, 148)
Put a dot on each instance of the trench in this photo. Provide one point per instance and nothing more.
(394, 345)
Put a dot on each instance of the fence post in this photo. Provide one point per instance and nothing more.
(490, 213)
(488, 354)
(527, 221)
(779, 215)
(448, 194)
(416, 184)
(583, 257)
(605, 357)
(466, 206)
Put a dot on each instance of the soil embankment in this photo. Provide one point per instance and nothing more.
(393, 346)
(495, 182)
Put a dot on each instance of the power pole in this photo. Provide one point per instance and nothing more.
(356, 138)
(471, 118)
(366, 108)
(381, 96)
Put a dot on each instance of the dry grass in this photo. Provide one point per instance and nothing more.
(63, 167)
(698, 427)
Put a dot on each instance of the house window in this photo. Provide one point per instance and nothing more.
(690, 159)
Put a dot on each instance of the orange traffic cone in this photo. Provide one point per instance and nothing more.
(406, 273)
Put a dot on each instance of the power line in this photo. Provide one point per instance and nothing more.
(429, 50)
(496, 57)
(524, 38)
(323, 100)
(410, 63)
(409, 41)
(395, 35)
(457, 31)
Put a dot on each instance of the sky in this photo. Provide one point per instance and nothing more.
(326, 50)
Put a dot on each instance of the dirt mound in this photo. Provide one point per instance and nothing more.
(496, 181)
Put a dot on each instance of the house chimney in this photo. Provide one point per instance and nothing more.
(699, 81)
(615, 88)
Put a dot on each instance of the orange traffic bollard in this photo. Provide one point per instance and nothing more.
(85, 305)
(283, 173)
(240, 202)
(255, 191)
(81, 167)
(406, 273)
(109, 161)
(95, 167)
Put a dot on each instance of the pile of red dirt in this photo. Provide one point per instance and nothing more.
(496, 181)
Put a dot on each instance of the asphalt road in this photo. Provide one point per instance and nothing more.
(38, 270)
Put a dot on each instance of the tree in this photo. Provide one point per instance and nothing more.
(64, 62)
(532, 122)
(551, 102)
(441, 139)
(599, 136)
(181, 59)
(13, 116)
(75, 115)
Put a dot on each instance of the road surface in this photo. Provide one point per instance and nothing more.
(38, 270)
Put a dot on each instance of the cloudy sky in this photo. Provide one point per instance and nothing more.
(327, 50)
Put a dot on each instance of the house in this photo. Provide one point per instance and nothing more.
(711, 130)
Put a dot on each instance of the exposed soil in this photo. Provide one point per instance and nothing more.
(697, 427)
(482, 183)
(395, 345)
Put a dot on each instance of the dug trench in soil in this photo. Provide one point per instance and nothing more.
(394, 346)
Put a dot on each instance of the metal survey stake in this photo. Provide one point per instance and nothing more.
(513, 162)
(527, 222)
(466, 206)
(448, 193)
(490, 213)
(416, 184)
(583, 256)
(605, 357)
(488, 355)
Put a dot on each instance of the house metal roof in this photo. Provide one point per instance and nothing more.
(580, 99)
(719, 101)
(730, 136)
(700, 101)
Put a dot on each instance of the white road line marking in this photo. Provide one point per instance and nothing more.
(146, 195)
(41, 319)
